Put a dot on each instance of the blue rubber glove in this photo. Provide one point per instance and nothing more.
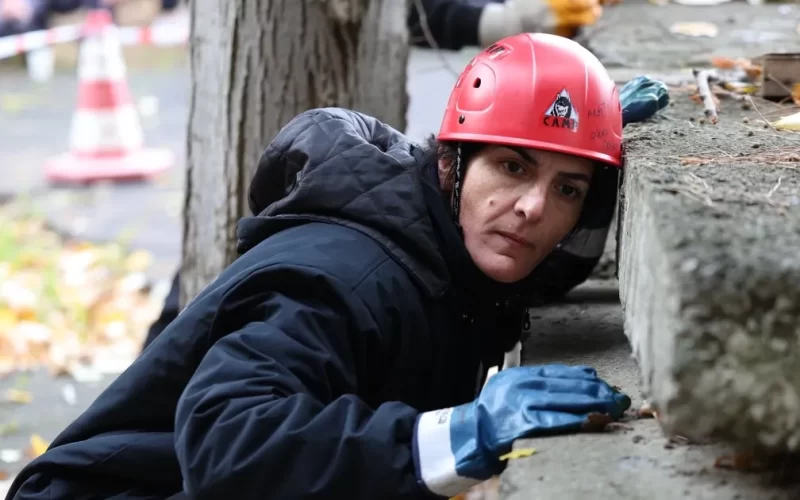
(457, 448)
(642, 98)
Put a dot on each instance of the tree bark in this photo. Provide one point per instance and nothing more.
(256, 64)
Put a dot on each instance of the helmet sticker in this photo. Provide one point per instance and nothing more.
(562, 113)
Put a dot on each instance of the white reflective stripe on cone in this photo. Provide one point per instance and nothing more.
(117, 129)
(101, 60)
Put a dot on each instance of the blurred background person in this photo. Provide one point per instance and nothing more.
(456, 24)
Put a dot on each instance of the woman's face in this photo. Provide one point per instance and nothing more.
(517, 204)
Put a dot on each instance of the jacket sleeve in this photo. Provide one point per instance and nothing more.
(271, 411)
(453, 24)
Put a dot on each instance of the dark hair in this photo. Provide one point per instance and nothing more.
(598, 207)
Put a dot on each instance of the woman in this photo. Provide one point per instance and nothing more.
(343, 353)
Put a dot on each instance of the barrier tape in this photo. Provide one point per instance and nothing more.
(161, 35)
(19, 44)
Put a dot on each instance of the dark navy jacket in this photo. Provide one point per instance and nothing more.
(299, 371)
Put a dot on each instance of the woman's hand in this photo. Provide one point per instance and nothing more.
(456, 448)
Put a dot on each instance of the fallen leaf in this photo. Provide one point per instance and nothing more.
(518, 453)
(3, 475)
(14, 103)
(751, 70)
(791, 122)
(723, 62)
(8, 428)
(66, 304)
(695, 29)
(740, 87)
(742, 462)
(647, 410)
(18, 396)
(37, 446)
(139, 260)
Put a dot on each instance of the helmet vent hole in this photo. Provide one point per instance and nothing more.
(494, 51)
(461, 119)
(477, 83)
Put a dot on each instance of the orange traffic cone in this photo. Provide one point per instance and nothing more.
(106, 137)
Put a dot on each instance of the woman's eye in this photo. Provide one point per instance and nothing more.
(512, 167)
(570, 191)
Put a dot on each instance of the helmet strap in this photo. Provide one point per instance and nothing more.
(457, 186)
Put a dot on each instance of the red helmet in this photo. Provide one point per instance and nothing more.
(537, 91)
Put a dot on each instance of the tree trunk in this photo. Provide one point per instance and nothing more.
(256, 64)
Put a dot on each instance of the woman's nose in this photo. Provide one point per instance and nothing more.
(531, 204)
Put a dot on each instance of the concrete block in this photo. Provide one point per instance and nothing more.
(635, 460)
(709, 273)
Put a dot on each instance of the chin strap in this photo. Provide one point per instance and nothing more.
(456, 209)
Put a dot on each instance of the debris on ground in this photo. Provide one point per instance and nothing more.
(740, 461)
(791, 122)
(596, 422)
(784, 156)
(695, 29)
(18, 396)
(73, 307)
(646, 411)
(772, 76)
(518, 453)
(704, 94)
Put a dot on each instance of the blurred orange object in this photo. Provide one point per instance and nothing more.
(753, 71)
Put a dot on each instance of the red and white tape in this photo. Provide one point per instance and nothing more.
(159, 34)
(19, 44)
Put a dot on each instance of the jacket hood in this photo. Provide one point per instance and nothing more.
(344, 167)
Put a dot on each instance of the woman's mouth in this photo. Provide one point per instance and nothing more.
(515, 239)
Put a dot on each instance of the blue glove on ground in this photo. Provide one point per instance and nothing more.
(457, 448)
(642, 98)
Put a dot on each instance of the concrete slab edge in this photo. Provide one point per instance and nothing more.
(715, 333)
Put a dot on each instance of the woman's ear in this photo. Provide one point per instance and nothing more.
(445, 179)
